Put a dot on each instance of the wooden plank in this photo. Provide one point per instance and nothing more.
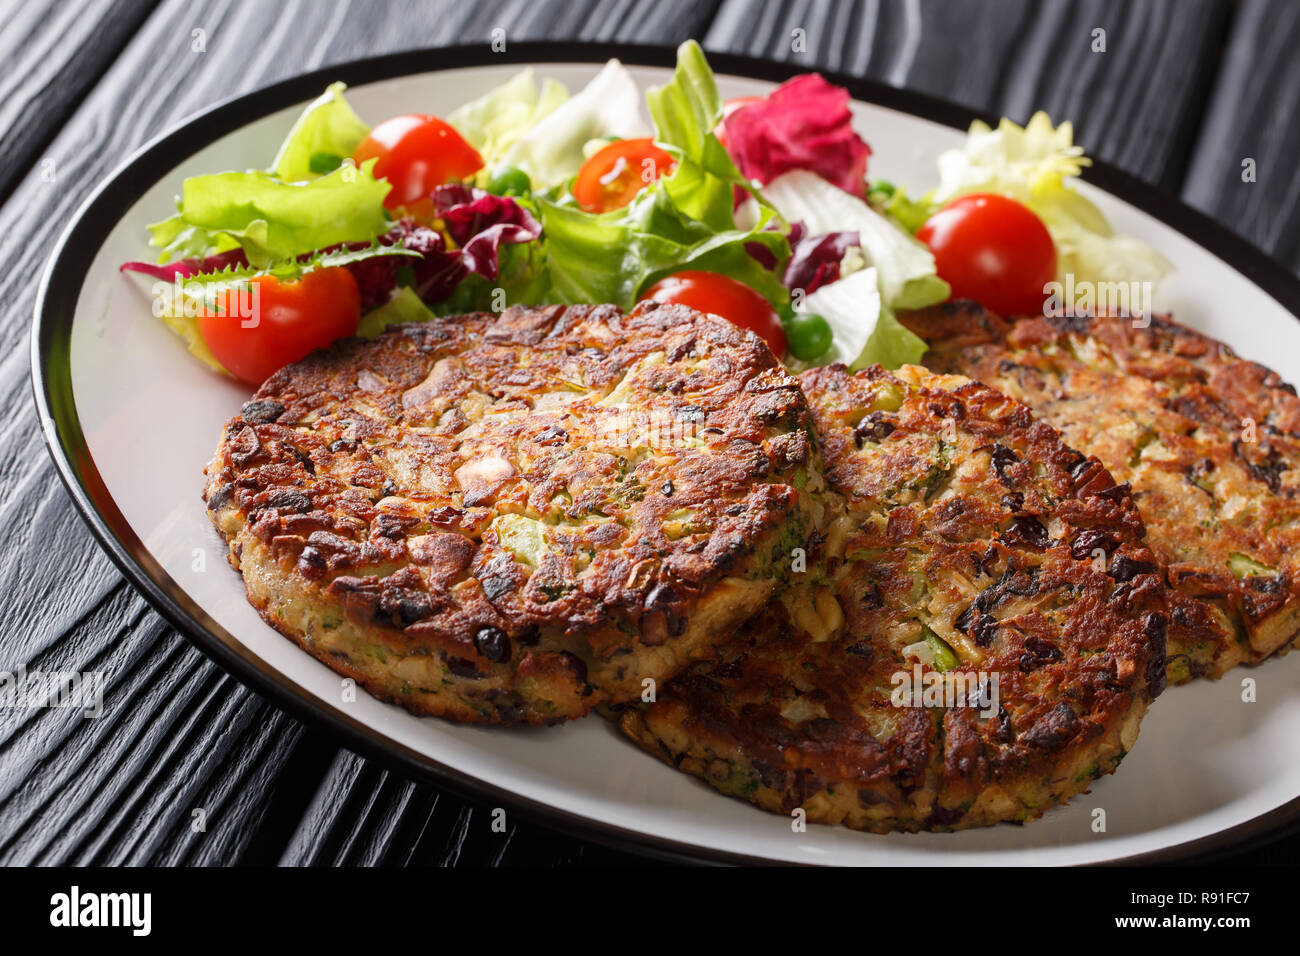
(53, 53)
(178, 734)
(1252, 117)
(364, 816)
(1136, 104)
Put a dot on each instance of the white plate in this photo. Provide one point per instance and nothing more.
(131, 420)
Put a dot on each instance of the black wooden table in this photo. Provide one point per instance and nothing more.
(1183, 93)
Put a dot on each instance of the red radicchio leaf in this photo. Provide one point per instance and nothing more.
(479, 222)
(804, 123)
(762, 254)
(438, 269)
(815, 260)
(184, 268)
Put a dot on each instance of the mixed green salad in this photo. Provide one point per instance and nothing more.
(759, 209)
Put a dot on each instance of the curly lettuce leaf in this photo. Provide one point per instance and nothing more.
(1035, 164)
(178, 239)
(1025, 163)
(551, 152)
(327, 132)
(613, 257)
(271, 219)
(497, 119)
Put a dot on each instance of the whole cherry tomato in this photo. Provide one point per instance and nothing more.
(415, 153)
(264, 326)
(724, 296)
(994, 250)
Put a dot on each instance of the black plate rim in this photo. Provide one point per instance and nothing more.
(51, 381)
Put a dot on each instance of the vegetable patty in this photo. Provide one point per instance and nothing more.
(956, 657)
(1209, 442)
(514, 518)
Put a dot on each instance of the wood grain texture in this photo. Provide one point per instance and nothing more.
(178, 735)
(1252, 116)
(53, 53)
(1135, 105)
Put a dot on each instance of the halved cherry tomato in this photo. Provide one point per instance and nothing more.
(612, 178)
(994, 250)
(258, 329)
(416, 153)
(724, 296)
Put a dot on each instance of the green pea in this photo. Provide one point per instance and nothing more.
(509, 181)
(807, 335)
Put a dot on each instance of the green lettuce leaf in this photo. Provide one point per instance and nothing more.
(687, 108)
(682, 221)
(685, 112)
(891, 344)
(271, 219)
(308, 200)
(895, 204)
(551, 151)
(179, 239)
(326, 133)
(493, 122)
(613, 257)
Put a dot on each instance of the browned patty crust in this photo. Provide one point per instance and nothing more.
(513, 518)
(1209, 442)
(963, 552)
